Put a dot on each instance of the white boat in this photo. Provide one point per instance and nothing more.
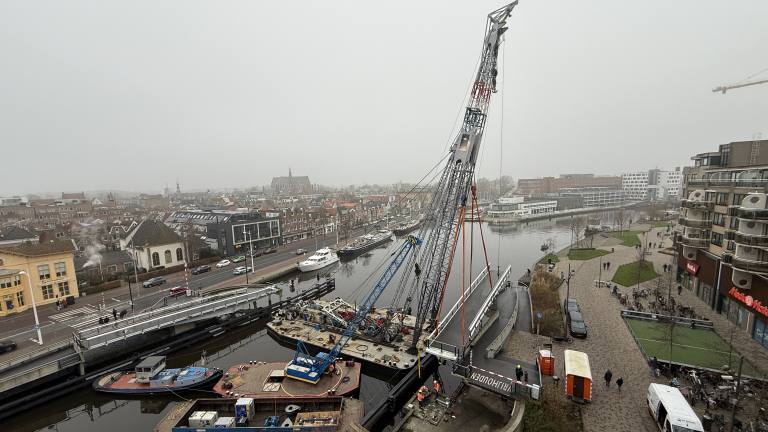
(322, 258)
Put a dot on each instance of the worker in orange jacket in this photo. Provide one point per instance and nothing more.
(420, 397)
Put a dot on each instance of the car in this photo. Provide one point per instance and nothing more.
(7, 346)
(238, 259)
(201, 269)
(576, 325)
(223, 263)
(270, 250)
(159, 280)
(255, 254)
(241, 270)
(301, 251)
(570, 305)
(177, 290)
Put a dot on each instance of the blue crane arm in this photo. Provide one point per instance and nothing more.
(410, 241)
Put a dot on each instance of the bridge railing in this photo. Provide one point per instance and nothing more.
(496, 346)
(444, 322)
(474, 327)
(58, 346)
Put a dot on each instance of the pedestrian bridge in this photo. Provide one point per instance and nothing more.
(182, 313)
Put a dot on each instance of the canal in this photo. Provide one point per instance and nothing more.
(517, 245)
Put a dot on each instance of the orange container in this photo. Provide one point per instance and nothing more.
(546, 362)
(578, 376)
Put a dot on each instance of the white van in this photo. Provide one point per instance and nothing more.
(671, 411)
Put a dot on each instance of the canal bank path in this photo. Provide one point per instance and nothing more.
(609, 343)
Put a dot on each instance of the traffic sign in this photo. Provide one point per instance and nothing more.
(538, 315)
(37, 327)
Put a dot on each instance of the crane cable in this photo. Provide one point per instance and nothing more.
(501, 150)
(749, 77)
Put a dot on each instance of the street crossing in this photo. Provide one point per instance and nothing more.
(74, 313)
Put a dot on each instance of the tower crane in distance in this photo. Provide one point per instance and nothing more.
(741, 83)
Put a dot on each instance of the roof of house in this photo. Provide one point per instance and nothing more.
(79, 195)
(153, 233)
(49, 248)
(16, 233)
(107, 259)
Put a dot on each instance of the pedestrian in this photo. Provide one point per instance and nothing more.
(58, 304)
(64, 303)
(114, 313)
(519, 372)
(525, 377)
(620, 382)
(664, 267)
(437, 387)
(654, 363)
(318, 277)
(609, 265)
(604, 265)
(420, 397)
(679, 290)
(607, 377)
(649, 244)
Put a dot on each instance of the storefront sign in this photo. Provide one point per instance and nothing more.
(749, 301)
(692, 268)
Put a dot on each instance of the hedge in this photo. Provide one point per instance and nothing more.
(177, 268)
(103, 287)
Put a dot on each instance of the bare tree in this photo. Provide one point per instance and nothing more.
(578, 227)
(621, 216)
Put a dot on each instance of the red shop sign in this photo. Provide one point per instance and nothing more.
(692, 268)
(749, 301)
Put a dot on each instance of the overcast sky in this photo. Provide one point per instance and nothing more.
(132, 95)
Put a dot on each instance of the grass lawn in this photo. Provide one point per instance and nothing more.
(629, 238)
(627, 274)
(551, 256)
(585, 254)
(694, 347)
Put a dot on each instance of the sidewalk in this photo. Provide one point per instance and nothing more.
(609, 343)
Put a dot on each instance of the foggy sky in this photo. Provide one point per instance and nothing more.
(132, 95)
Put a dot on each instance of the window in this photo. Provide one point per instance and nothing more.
(721, 199)
(179, 255)
(20, 298)
(717, 239)
(1, 262)
(738, 198)
(719, 219)
(44, 271)
(111, 269)
(155, 259)
(5, 282)
(168, 258)
(61, 269)
(734, 223)
(47, 291)
(732, 246)
(64, 288)
(16, 280)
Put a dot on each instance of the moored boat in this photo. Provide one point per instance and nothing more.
(322, 258)
(259, 380)
(366, 243)
(151, 377)
(405, 228)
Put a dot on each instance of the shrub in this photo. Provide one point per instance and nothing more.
(545, 300)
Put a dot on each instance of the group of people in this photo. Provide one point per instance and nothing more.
(607, 265)
(60, 304)
(522, 375)
(609, 375)
(423, 393)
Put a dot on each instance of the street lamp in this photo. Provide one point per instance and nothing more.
(250, 249)
(34, 308)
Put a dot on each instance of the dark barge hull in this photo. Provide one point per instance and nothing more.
(209, 382)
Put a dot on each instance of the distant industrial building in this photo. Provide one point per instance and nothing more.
(510, 207)
(593, 197)
(548, 185)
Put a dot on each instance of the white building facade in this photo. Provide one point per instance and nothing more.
(655, 185)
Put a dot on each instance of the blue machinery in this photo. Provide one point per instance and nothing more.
(305, 368)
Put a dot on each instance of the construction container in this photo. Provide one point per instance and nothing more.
(203, 419)
(225, 422)
(245, 408)
(578, 376)
(546, 362)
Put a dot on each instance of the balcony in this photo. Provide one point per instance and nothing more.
(727, 258)
(749, 265)
(733, 211)
(730, 234)
(694, 223)
(699, 205)
(751, 239)
(754, 183)
(754, 214)
(695, 242)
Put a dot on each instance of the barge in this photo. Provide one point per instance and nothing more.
(365, 243)
(256, 415)
(262, 380)
(377, 345)
(404, 229)
(151, 377)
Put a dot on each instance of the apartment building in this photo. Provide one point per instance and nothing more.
(655, 184)
(239, 232)
(723, 234)
(45, 270)
(547, 185)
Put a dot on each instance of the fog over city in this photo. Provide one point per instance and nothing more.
(134, 95)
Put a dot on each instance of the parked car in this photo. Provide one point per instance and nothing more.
(159, 280)
(241, 270)
(201, 269)
(223, 263)
(177, 290)
(570, 305)
(301, 251)
(270, 250)
(238, 259)
(7, 346)
(255, 254)
(576, 325)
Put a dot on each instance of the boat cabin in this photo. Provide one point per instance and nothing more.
(149, 368)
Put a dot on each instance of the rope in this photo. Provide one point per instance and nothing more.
(751, 76)
(501, 144)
